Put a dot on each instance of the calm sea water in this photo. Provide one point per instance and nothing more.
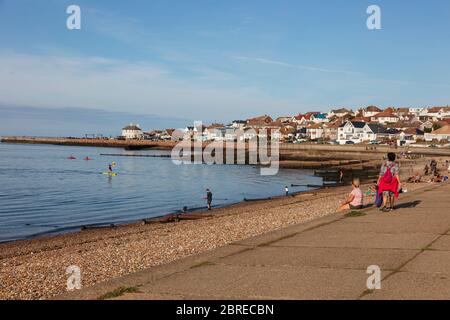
(42, 192)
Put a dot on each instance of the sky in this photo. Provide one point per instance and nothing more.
(217, 60)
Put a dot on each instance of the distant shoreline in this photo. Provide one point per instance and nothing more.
(108, 143)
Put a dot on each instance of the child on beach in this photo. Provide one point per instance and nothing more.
(355, 199)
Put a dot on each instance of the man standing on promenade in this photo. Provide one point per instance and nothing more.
(209, 198)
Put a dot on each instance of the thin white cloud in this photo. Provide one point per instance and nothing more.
(295, 66)
(115, 85)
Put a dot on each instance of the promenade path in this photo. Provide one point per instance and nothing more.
(323, 259)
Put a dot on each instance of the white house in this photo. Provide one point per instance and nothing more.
(239, 124)
(385, 117)
(339, 113)
(232, 134)
(132, 131)
(370, 111)
(435, 113)
(314, 131)
(249, 134)
(351, 131)
(403, 114)
(300, 120)
(415, 111)
(216, 131)
(373, 131)
(410, 136)
(442, 134)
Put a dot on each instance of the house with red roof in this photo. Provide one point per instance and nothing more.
(442, 134)
(370, 111)
(387, 116)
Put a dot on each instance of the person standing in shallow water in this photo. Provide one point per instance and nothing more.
(208, 198)
(341, 175)
(286, 190)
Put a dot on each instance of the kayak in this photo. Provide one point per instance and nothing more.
(111, 174)
(87, 159)
(71, 158)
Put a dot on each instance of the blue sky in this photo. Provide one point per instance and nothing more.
(220, 60)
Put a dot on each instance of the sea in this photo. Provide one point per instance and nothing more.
(44, 192)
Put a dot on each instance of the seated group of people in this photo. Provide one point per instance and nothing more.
(387, 187)
(416, 178)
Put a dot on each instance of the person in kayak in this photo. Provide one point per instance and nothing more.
(110, 169)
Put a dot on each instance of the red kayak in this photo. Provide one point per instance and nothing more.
(87, 159)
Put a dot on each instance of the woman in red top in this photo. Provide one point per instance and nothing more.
(389, 182)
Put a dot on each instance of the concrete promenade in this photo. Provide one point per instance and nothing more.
(323, 259)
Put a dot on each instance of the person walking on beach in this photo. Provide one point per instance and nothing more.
(208, 198)
(286, 190)
(389, 182)
(355, 199)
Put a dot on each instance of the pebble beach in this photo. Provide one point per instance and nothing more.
(36, 269)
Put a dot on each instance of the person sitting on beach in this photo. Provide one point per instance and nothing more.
(437, 178)
(415, 178)
(389, 182)
(354, 199)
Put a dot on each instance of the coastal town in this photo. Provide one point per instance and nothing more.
(429, 127)
(214, 159)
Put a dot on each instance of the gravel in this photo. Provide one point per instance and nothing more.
(36, 269)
